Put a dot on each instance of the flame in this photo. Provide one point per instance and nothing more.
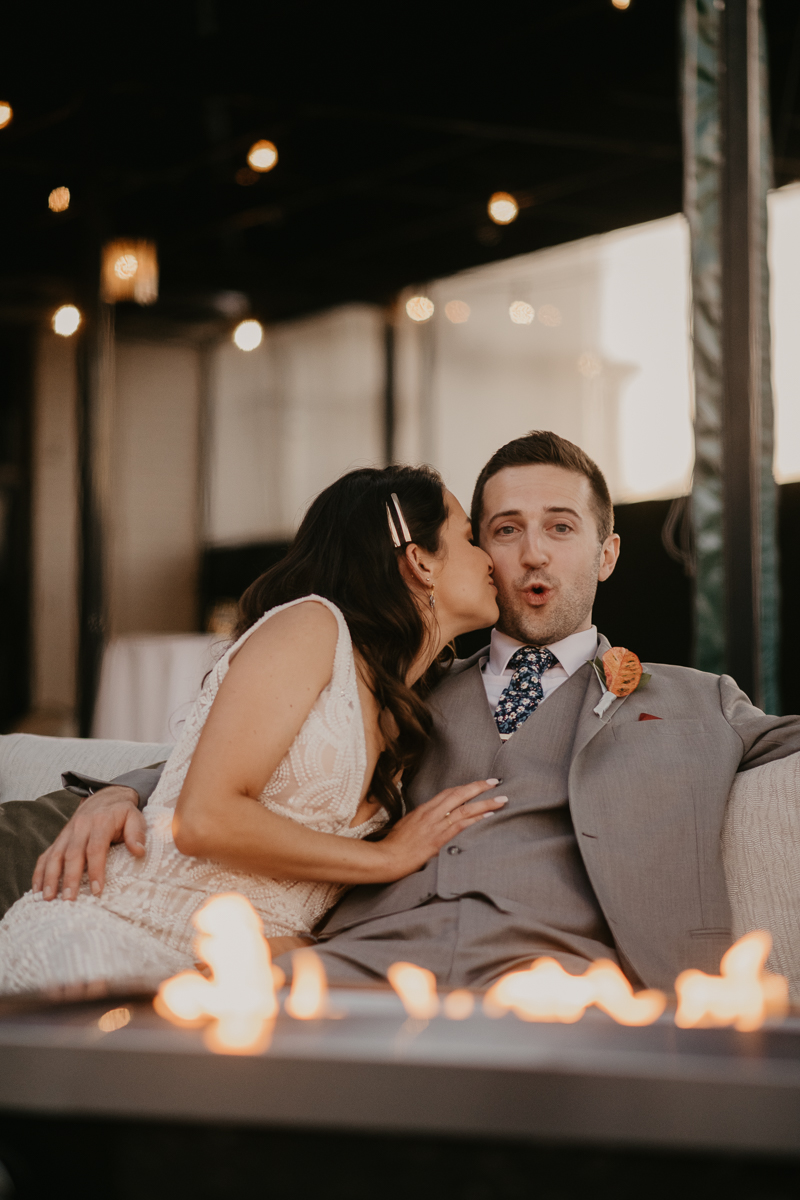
(308, 998)
(458, 1005)
(742, 995)
(546, 992)
(115, 1018)
(240, 995)
(416, 987)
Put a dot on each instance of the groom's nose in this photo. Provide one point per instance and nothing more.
(533, 548)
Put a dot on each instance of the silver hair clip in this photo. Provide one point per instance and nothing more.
(402, 522)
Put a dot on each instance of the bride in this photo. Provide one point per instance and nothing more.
(293, 754)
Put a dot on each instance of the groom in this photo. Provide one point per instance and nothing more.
(609, 845)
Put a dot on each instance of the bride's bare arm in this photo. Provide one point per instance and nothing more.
(271, 686)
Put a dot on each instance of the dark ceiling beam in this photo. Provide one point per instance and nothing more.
(468, 215)
(557, 138)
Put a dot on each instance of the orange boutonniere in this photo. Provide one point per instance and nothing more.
(620, 673)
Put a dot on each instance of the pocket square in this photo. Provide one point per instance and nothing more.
(649, 717)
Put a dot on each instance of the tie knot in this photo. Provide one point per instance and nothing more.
(536, 659)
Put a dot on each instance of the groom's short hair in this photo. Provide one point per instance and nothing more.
(542, 447)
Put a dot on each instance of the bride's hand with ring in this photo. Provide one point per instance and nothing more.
(419, 835)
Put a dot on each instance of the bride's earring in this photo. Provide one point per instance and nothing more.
(431, 597)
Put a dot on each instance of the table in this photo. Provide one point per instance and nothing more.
(148, 683)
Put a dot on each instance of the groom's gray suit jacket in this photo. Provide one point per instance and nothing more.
(646, 798)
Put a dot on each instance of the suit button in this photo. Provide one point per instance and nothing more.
(453, 849)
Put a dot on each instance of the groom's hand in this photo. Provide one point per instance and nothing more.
(109, 816)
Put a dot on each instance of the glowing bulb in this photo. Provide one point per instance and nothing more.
(457, 311)
(503, 208)
(116, 1018)
(416, 987)
(248, 334)
(521, 313)
(66, 320)
(58, 200)
(126, 266)
(6, 113)
(419, 308)
(262, 156)
(549, 315)
(621, 3)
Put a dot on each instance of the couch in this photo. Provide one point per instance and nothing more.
(760, 839)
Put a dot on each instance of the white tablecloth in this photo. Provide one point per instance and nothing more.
(148, 683)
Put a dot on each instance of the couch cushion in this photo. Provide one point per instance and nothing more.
(30, 765)
(761, 852)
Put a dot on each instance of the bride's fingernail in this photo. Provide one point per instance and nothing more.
(492, 782)
(66, 893)
(95, 887)
(500, 799)
(48, 893)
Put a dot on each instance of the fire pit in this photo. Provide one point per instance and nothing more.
(370, 1067)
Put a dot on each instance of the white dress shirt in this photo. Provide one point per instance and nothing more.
(572, 652)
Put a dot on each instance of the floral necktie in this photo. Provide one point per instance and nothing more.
(524, 693)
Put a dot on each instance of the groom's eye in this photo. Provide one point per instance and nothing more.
(562, 528)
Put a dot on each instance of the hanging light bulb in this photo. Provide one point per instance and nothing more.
(66, 320)
(457, 311)
(130, 271)
(6, 113)
(419, 308)
(58, 200)
(621, 3)
(503, 208)
(248, 334)
(262, 156)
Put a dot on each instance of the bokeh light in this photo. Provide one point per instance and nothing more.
(262, 156)
(126, 266)
(115, 1018)
(457, 311)
(6, 113)
(66, 320)
(420, 308)
(621, 3)
(503, 208)
(58, 200)
(590, 364)
(549, 315)
(521, 313)
(248, 334)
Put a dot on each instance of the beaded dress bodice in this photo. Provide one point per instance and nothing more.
(142, 922)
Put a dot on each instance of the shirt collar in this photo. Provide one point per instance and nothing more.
(572, 652)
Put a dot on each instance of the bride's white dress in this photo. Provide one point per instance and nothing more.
(141, 926)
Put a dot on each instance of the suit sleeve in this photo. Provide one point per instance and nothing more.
(764, 738)
(143, 781)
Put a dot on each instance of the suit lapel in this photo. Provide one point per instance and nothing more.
(589, 724)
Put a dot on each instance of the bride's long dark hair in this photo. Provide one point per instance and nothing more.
(344, 551)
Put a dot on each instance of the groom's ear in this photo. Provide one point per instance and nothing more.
(609, 556)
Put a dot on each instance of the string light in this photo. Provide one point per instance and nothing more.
(262, 156)
(6, 113)
(521, 313)
(503, 208)
(420, 308)
(130, 271)
(621, 3)
(457, 311)
(248, 334)
(58, 200)
(549, 315)
(66, 320)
